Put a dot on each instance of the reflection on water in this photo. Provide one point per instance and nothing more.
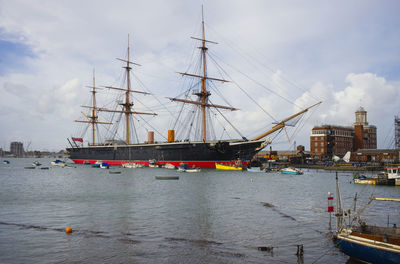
(207, 217)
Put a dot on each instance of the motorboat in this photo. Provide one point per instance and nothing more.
(36, 163)
(291, 170)
(57, 162)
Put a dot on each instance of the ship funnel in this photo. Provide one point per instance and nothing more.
(150, 137)
(171, 136)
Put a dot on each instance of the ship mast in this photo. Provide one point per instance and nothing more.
(93, 118)
(94, 108)
(204, 93)
(127, 105)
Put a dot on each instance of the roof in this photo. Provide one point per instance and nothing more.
(376, 151)
(361, 109)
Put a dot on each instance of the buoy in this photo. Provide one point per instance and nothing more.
(251, 180)
(330, 200)
(68, 230)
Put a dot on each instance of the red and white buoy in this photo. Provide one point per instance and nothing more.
(330, 209)
(330, 203)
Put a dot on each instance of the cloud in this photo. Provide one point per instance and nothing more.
(374, 93)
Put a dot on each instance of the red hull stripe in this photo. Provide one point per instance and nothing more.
(200, 164)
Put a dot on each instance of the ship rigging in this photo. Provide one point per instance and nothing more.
(203, 152)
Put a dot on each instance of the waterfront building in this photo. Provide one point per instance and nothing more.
(364, 134)
(329, 140)
(17, 149)
(376, 155)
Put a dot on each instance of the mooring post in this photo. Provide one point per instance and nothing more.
(300, 251)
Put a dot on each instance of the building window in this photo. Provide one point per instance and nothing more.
(316, 144)
(322, 144)
(322, 150)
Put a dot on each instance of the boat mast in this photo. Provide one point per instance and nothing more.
(93, 119)
(204, 93)
(127, 105)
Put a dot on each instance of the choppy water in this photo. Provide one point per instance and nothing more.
(206, 217)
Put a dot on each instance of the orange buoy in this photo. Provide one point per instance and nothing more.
(68, 230)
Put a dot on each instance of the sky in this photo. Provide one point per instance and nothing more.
(285, 54)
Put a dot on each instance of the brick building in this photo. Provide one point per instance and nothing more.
(329, 140)
(376, 155)
(364, 134)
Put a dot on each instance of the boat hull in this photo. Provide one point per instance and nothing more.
(368, 251)
(219, 166)
(199, 154)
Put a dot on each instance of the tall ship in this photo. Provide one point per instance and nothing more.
(201, 152)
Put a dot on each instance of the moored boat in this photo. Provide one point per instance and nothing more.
(389, 177)
(373, 244)
(255, 169)
(193, 169)
(132, 165)
(57, 162)
(104, 165)
(170, 166)
(291, 170)
(36, 163)
(393, 174)
(227, 167)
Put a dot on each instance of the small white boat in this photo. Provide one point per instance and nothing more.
(6, 162)
(185, 168)
(132, 165)
(255, 169)
(291, 170)
(170, 166)
(193, 170)
(36, 163)
(59, 163)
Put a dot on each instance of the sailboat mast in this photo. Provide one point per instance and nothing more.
(127, 104)
(94, 107)
(204, 93)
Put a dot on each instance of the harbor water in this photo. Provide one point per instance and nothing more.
(206, 217)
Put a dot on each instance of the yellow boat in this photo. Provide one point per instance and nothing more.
(365, 181)
(227, 167)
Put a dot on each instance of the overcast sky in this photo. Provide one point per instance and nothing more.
(285, 54)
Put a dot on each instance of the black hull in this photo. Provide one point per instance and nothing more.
(201, 154)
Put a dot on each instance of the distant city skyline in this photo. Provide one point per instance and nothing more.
(342, 53)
